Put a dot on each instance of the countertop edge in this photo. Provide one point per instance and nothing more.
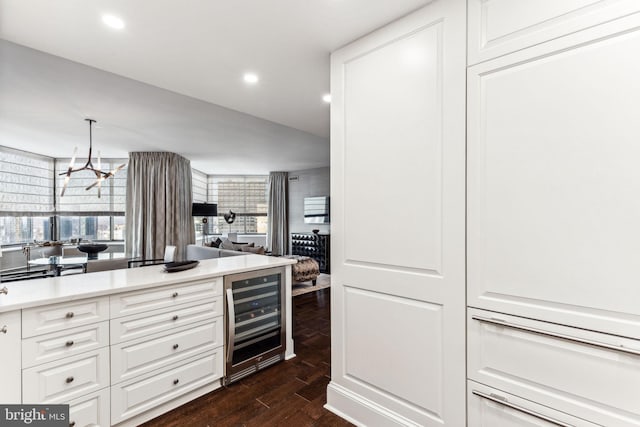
(38, 292)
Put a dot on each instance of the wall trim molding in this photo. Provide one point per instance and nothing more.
(364, 412)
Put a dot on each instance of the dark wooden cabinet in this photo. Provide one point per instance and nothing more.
(313, 245)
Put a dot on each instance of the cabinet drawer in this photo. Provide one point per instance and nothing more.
(166, 296)
(136, 357)
(143, 393)
(590, 375)
(53, 346)
(489, 407)
(63, 380)
(10, 338)
(52, 318)
(144, 324)
(90, 410)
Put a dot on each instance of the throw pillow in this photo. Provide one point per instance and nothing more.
(227, 244)
(254, 250)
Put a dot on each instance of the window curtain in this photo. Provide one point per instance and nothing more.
(278, 213)
(158, 208)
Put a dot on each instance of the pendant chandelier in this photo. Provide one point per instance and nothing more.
(100, 175)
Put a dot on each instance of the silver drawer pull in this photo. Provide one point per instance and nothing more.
(175, 295)
(4, 290)
(4, 329)
(69, 380)
(557, 335)
(69, 343)
(176, 381)
(69, 315)
(175, 317)
(504, 402)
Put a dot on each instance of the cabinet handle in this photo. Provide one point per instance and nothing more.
(231, 328)
(504, 402)
(69, 343)
(557, 335)
(69, 380)
(176, 381)
(4, 329)
(72, 424)
(175, 346)
(175, 317)
(4, 290)
(175, 294)
(69, 315)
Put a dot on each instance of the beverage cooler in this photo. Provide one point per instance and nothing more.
(255, 321)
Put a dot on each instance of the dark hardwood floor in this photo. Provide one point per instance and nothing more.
(290, 393)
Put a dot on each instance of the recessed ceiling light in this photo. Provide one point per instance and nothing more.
(113, 21)
(326, 98)
(251, 78)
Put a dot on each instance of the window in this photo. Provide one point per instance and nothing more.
(244, 195)
(31, 207)
(199, 186)
(82, 213)
(26, 197)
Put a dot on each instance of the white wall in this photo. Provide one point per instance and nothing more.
(309, 183)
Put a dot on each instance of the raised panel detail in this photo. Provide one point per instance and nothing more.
(394, 127)
(142, 355)
(494, 408)
(498, 27)
(553, 170)
(376, 331)
(147, 391)
(90, 410)
(587, 374)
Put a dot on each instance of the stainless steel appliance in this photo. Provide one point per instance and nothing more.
(255, 321)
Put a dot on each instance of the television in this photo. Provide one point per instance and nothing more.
(316, 210)
(204, 209)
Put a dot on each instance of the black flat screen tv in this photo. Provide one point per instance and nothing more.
(204, 209)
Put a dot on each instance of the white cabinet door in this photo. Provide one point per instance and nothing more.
(553, 175)
(398, 198)
(498, 27)
(10, 339)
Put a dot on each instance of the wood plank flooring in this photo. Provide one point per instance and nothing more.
(290, 393)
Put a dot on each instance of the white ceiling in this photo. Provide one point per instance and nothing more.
(197, 48)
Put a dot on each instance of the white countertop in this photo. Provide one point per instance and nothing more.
(32, 293)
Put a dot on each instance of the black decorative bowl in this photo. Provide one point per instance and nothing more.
(92, 249)
(172, 267)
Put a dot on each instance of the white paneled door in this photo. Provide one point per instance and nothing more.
(398, 222)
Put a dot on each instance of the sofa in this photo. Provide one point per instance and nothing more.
(197, 252)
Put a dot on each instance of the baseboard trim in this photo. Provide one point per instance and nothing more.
(361, 411)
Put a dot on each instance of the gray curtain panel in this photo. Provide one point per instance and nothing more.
(158, 210)
(278, 213)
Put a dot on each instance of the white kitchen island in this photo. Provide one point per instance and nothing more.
(121, 346)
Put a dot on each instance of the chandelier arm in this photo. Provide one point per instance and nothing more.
(100, 175)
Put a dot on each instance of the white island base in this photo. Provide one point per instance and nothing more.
(124, 346)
